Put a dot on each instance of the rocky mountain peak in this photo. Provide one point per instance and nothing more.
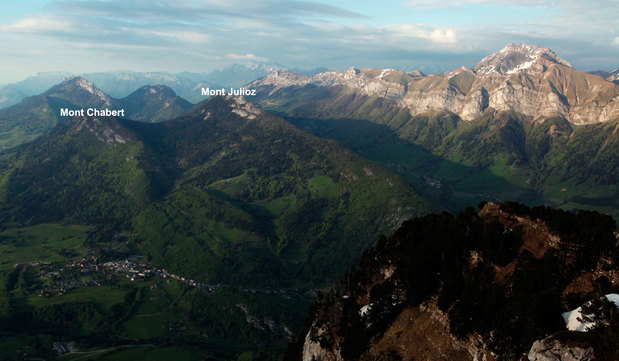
(78, 87)
(283, 78)
(518, 57)
(351, 72)
(219, 107)
(242, 107)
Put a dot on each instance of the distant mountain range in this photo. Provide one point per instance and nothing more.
(612, 75)
(525, 79)
(119, 84)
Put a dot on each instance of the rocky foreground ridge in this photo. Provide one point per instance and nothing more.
(484, 285)
(530, 80)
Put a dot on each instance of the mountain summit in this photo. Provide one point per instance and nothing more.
(78, 90)
(519, 57)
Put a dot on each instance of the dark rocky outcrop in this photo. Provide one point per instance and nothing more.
(482, 285)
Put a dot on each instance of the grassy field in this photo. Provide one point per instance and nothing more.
(151, 314)
(232, 186)
(279, 205)
(10, 345)
(569, 196)
(103, 296)
(39, 243)
(145, 326)
(155, 354)
(461, 184)
(323, 186)
(135, 353)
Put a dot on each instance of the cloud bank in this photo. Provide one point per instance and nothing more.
(201, 35)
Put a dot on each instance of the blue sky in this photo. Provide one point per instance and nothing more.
(201, 35)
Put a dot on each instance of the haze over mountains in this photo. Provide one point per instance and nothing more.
(119, 84)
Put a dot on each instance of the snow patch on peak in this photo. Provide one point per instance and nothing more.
(384, 72)
(523, 66)
(574, 320)
(365, 310)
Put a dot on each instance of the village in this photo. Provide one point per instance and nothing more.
(59, 279)
(88, 272)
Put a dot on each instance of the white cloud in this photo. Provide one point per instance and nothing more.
(184, 36)
(436, 35)
(447, 36)
(450, 4)
(247, 56)
(199, 35)
(39, 23)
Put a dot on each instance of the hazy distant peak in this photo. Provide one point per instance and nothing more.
(415, 74)
(152, 90)
(519, 57)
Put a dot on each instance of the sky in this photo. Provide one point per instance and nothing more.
(202, 35)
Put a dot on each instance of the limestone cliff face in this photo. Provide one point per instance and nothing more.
(530, 80)
(485, 285)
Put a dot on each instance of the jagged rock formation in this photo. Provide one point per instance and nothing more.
(525, 79)
(485, 285)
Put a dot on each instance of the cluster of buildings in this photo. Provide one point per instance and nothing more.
(58, 279)
(140, 271)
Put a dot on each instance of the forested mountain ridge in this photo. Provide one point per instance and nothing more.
(226, 173)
